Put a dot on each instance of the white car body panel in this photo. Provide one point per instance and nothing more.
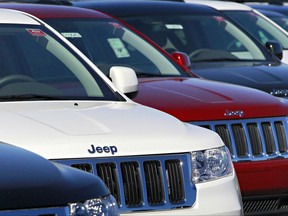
(73, 129)
(17, 18)
(68, 129)
(221, 6)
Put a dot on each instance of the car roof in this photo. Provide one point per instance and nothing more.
(278, 8)
(119, 8)
(15, 17)
(54, 11)
(222, 5)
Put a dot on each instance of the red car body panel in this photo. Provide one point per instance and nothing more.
(209, 101)
(263, 177)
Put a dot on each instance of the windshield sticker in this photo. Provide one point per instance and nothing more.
(115, 25)
(71, 35)
(118, 48)
(219, 18)
(174, 26)
(36, 32)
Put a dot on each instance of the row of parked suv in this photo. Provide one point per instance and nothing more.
(60, 103)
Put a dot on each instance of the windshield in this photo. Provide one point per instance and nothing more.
(258, 27)
(34, 65)
(107, 43)
(281, 21)
(203, 37)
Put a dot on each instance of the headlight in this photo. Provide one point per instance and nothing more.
(211, 164)
(104, 206)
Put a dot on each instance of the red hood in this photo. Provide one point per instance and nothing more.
(192, 99)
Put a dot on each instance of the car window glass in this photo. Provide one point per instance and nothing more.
(107, 44)
(202, 37)
(30, 54)
(258, 27)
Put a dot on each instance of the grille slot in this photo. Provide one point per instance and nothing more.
(107, 172)
(252, 139)
(268, 137)
(131, 183)
(255, 139)
(281, 138)
(223, 131)
(175, 181)
(154, 185)
(157, 182)
(240, 140)
(83, 167)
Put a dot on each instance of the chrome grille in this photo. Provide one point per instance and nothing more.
(252, 139)
(144, 182)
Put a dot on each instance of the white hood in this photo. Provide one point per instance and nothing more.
(80, 129)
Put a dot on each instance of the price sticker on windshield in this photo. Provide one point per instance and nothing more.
(118, 48)
(36, 32)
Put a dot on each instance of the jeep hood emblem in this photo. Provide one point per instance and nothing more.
(231, 113)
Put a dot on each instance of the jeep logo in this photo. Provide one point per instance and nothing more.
(104, 149)
(231, 113)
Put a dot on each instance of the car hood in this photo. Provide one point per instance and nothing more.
(271, 78)
(30, 181)
(70, 129)
(194, 99)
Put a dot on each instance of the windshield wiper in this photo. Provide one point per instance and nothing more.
(29, 97)
(142, 74)
(217, 60)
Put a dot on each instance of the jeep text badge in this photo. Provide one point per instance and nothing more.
(231, 113)
(104, 149)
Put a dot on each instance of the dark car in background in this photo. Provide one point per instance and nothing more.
(277, 13)
(218, 49)
(31, 185)
(253, 21)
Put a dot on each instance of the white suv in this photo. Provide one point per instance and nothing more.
(57, 103)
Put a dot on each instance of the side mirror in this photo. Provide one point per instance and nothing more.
(182, 58)
(125, 79)
(275, 48)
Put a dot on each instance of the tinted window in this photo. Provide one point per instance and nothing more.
(33, 62)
